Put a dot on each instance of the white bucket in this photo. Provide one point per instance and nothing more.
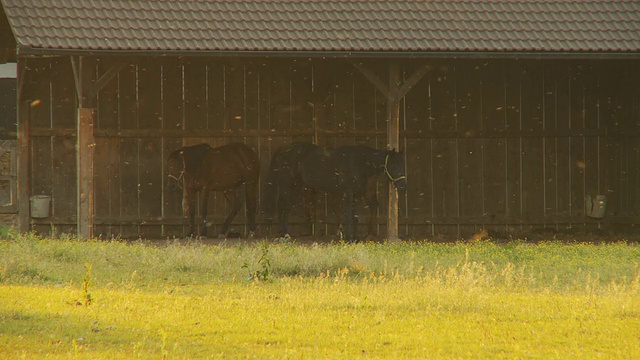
(40, 206)
(595, 207)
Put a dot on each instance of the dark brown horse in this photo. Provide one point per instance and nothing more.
(202, 169)
(347, 171)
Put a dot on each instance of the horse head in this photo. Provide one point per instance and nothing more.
(175, 170)
(394, 168)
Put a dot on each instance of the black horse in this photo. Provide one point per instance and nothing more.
(201, 168)
(346, 170)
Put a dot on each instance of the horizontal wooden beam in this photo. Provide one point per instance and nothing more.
(138, 221)
(266, 133)
(174, 221)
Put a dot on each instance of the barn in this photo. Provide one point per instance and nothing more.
(513, 114)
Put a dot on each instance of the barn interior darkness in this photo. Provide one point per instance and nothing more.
(501, 144)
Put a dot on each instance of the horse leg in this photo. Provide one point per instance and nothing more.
(190, 197)
(232, 199)
(354, 216)
(286, 197)
(310, 209)
(284, 208)
(372, 202)
(250, 190)
(349, 214)
(203, 211)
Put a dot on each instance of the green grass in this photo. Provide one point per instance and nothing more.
(411, 300)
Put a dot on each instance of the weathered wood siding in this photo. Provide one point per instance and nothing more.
(500, 144)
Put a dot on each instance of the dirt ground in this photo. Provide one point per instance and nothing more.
(599, 236)
(628, 233)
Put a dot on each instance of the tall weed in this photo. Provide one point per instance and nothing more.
(30, 259)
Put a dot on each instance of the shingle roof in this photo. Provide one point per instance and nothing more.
(557, 26)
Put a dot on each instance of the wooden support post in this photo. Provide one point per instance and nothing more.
(394, 91)
(86, 144)
(24, 161)
(83, 71)
(393, 142)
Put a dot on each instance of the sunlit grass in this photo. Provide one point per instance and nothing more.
(424, 300)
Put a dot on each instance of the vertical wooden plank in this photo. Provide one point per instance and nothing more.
(415, 113)
(416, 109)
(106, 176)
(65, 192)
(24, 159)
(234, 87)
(494, 147)
(150, 186)
(578, 162)
(107, 97)
(252, 121)
(128, 161)
(235, 93)
(610, 93)
(252, 117)
(36, 91)
(216, 95)
(513, 163)
(419, 186)
(34, 112)
(84, 161)
(195, 95)
(592, 176)
(127, 90)
(101, 180)
(468, 120)
(41, 166)
(301, 99)
(393, 142)
(115, 196)
(626, 107)
(149, 95)
(85, 72)
(129, 187)
(172, 119)
(550, 144)
(268, 143)
(633, 87)
(344, 103)
(64, 159)
(563, 162)
(364, 107)
(531, 98)
(444, 150)
(63, 94)
(325, 74)
(323, 89)
(150, 163)
(279, 95)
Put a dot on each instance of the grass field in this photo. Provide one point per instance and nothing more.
(65, 298)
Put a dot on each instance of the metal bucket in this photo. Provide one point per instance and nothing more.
(40, 206)
(595, 206)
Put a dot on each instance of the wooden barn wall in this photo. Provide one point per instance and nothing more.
(490, 144)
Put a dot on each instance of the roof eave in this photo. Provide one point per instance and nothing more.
(26, 51)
